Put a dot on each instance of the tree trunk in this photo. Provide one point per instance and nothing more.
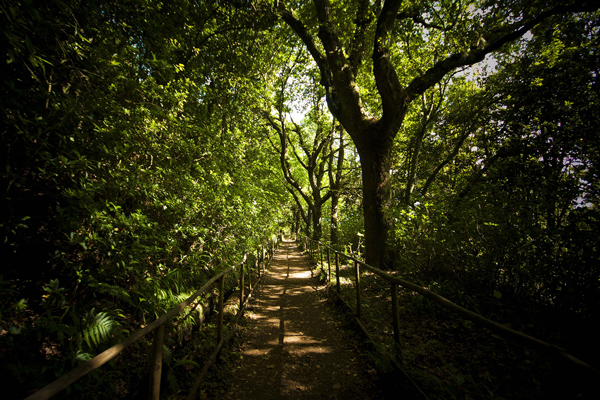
(298, 218)
(336, 187)
(334, 236)
(316, 218)
(309, 221)
(375, 165)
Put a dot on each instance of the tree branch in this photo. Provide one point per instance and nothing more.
(357, 47)
(337, 76)
(296, 153)
(490, 42)
(298, 27)
(299, 203)
(386, 78)
(283, 159)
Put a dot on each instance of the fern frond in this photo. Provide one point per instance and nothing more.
(166, 354)
(81, 356)
(172, 379)
(98, 328)
(116, 292)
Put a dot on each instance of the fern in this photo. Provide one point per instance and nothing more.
(81, 356)
(166, 354)
(116, 292)
(172, 379)
(98, 328)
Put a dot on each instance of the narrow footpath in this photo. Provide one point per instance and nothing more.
(296, 347)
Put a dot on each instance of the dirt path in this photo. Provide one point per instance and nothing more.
(295, 347)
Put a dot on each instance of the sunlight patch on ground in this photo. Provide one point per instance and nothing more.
(300, 275)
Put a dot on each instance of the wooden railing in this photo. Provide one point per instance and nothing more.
(158, 327)
(313, 247)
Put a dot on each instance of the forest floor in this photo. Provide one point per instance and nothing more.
(295, 345)
(452, 358)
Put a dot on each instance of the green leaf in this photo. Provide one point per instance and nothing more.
(98, 328)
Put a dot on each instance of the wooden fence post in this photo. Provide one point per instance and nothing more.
(357, 269)
(257, 264)
(242, 284)
(321, 255)
(328, 265)
(156, 363)
(249, 277)
(337, 271)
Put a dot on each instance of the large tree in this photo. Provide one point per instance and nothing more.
(413, 46)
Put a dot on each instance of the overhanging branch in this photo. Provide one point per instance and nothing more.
(491, 42)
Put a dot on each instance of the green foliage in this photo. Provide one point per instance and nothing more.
(513, 211)
(132, 168)
(134, 165)
(116, 292)
(98, 328)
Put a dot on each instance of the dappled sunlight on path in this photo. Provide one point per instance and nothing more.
(295, 348)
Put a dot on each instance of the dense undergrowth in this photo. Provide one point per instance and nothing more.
(452, 358)
(125, 184)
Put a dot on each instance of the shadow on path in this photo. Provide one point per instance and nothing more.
(295, 347)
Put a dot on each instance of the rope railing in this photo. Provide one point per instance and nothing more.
(520, 337)
(157, 326)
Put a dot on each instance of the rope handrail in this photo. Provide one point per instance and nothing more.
(85, 368)
(520, 337)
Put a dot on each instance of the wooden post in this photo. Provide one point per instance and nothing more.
(242, 284)
(156, 363)
(337, 271)
(321, 254)
(257, 263)
(221, 295)
(395, 316)
(357, 269)
(328, 265)
(249, 277)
